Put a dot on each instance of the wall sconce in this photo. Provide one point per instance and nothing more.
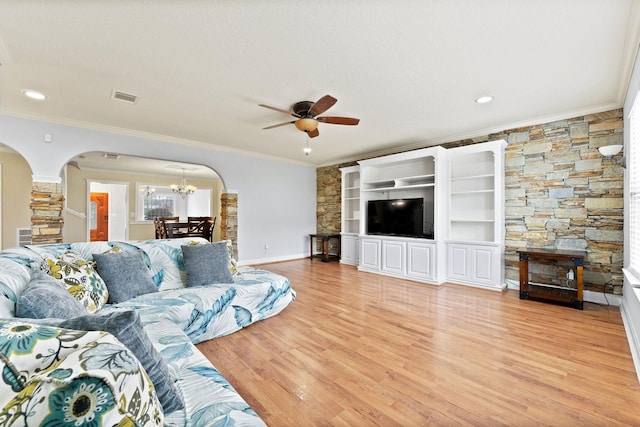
(610, 150)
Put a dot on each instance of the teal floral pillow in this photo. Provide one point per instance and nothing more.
(80, 279)
(55, 376)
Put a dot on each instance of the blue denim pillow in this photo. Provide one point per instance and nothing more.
(125, 274)
(46, 297)
(127, 327)
(207, 264)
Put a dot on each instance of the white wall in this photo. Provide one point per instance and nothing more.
(276, 199)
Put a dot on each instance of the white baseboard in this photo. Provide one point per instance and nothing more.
(258, 261)
(632, 338)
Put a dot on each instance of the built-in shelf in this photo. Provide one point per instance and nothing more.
(403, 187)
(472, 220)
(406, 183)
(350, 215)
(462, 178)
(455, 193)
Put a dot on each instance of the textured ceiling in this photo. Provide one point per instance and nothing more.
(409, 69)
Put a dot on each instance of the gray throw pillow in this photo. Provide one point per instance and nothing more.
(125, 274)
(127, 327)
(207, 264)
(46, 297)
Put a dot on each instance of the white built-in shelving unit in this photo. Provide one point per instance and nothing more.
(350, 243)
(463, 223)
(475, 225)
(414, 174)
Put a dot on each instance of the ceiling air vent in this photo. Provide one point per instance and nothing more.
(124, 97)
(111, 156)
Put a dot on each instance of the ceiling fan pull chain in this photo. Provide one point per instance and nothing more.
(307, 148)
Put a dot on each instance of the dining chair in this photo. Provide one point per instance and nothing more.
(160, 225)
(202, 225)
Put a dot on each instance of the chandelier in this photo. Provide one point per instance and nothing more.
(147, 191)
(183, 189)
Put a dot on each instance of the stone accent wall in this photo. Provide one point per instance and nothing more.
(229, 219)
(559, 193)
(47, 204)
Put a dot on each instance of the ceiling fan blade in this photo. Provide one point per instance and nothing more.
(338, 120)
(279, 110)
(322, 105)
(279, 124)
(313, 133)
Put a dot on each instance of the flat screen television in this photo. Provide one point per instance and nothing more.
(396, 217)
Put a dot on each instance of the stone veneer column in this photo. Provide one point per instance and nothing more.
(229, 219)
(47, 204)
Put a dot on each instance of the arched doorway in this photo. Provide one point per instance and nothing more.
(135, 186)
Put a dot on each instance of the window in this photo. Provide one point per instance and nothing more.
(153, 201)
(634, 187)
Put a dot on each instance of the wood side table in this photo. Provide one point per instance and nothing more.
(572, 296)
(326, 255)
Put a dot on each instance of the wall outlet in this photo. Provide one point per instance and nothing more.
(266, 246)
(570, 275)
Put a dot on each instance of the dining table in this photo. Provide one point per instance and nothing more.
(182, 229)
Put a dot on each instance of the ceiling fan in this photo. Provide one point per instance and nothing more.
(306, 114)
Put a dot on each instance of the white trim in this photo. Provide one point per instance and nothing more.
(632, 336)
(75, 213)
(47, 179)
(273, 259)
(631, 278)
(125, 213)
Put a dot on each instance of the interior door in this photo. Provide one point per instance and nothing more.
(99, 217)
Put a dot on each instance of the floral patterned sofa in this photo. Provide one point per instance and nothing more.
(59, 376)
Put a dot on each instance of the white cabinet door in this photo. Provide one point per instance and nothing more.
(474, 264)
(370, 254)
(393, 259)
(349, 249)
(421, 260)
(458, 265)
(483, 265)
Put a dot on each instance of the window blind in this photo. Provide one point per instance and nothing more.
(633, 162)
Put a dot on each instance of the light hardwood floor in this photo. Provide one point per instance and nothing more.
(361, 349)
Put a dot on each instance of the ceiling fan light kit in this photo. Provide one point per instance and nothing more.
(306, 125)
(307, 112)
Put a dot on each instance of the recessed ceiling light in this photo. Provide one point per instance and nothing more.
(34, 94)
(484, 99)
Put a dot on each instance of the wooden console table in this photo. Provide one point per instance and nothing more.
(572, 296)
(325, 239)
